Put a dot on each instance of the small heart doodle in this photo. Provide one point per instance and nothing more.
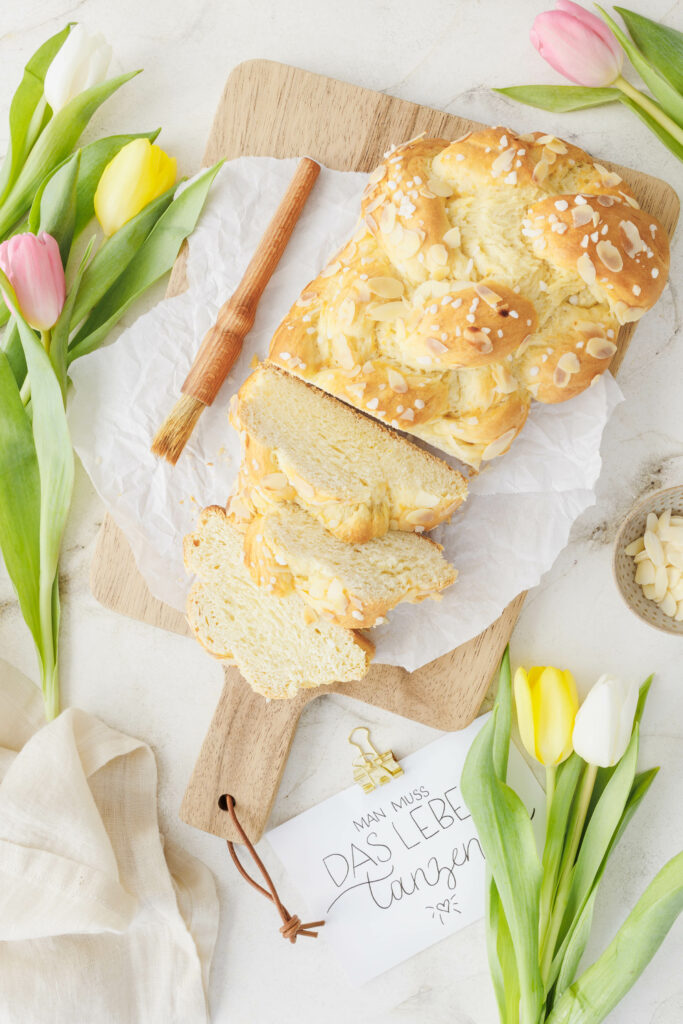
(447, 906)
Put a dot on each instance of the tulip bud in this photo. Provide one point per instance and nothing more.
(80, 63)
(547, 703)
(604, 722)
(578, 44)
(138, 174)
(34, 268)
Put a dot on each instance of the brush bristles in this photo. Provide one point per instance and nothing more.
(175, 431)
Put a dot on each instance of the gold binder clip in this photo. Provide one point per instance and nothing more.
(371, 770)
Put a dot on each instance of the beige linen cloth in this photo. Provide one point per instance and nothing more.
(100, 922)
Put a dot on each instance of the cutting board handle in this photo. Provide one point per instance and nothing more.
(244, 754)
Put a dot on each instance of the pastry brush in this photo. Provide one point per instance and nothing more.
(223, 342)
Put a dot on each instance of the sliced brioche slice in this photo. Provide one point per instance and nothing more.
(276, 648)
(288, 550)
(358, 477)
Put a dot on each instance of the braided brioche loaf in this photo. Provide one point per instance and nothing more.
(484, 273)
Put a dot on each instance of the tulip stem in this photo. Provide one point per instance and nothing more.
(550, 776)
(25, 392)
(560, 905)
(546, 890)
(650, 107)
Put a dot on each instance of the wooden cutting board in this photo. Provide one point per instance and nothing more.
(270, 109)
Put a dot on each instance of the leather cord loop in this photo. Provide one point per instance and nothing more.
(292, 926)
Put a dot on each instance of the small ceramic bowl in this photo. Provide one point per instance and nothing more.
(624, 566)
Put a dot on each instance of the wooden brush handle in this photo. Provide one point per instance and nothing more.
(222, 343)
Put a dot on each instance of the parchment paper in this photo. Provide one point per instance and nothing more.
(520, 509)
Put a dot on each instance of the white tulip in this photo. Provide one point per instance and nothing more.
(81, 62)
(604, 722)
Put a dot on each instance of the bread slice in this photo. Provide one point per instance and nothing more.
(353, 584)
(276, 648)
(356, 476)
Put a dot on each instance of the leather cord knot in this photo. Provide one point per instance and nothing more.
(293, 928)
(292, 925)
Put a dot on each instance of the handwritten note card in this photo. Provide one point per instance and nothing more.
(398, 869)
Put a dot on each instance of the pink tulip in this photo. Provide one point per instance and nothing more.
(33, 265)
(577, 44)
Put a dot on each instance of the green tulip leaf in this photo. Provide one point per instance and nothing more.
(59, 343)
(568, 775)
(671, 101)
(28, 111)
(639, 789)
(643, 694)
(508, 842)
(661, 46)
(53, 145)
(501, 955)
(11, 348)
(19, 500)
(55, 459)
(559, 98)
(115, 254)
(599, 989)
(662, 134)
(154, 258)
(501, 736)
(566, 961)
(601, 828)
(54, 206)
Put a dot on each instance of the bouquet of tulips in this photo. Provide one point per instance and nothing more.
(63, 293)
(540, 907)
(590, 52)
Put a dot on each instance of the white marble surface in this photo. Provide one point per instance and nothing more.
(446, 53)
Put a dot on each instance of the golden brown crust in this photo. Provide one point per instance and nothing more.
(622, 254)
(497, 220)
(577, 346)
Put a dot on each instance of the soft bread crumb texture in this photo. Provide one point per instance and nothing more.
(353, 584)
(355, 476)
(484, 273)
(274, 646)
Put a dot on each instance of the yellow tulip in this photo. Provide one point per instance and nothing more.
(138, 174)
(547, 703)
